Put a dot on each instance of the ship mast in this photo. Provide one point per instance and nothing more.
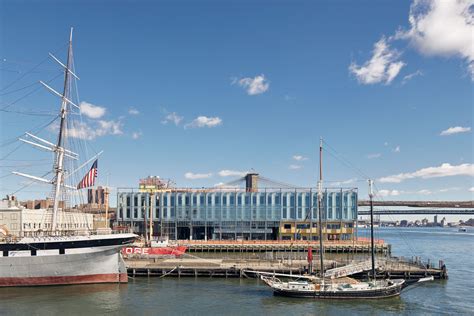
(372, 252)
(320, 213)
(59, 170)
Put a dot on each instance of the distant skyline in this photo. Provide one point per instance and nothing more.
(203, 91)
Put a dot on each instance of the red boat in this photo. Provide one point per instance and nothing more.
(175, 251)
(158, 248)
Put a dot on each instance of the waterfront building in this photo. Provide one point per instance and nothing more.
(233, 213)
(16, 220)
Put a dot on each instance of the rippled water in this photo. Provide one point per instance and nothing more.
(190, 296)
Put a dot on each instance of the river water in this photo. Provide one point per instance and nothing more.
(204, 296)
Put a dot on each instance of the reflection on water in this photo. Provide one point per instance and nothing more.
(206, 296)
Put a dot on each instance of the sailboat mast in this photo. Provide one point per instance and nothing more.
(320, 213)
(371, 195)
(59, 170)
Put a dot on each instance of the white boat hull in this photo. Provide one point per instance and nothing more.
(89, 265)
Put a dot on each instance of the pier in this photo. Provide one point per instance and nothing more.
(242, 268)
(276, 247)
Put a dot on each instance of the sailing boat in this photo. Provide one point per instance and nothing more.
(323, 287)
(53, 258)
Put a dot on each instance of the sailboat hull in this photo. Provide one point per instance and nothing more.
(368, 294)
(87, 265)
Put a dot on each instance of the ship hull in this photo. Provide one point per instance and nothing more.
(87, 265)
(385, 293)
(175, 251)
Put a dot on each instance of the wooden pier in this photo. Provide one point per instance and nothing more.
(360, 246)
(231, 268)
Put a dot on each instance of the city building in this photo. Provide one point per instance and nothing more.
(97, 195)
(16, 220)
(238, 213)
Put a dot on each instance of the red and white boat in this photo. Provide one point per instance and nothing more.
(158, 248)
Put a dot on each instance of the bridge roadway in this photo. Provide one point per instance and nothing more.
(433, 211)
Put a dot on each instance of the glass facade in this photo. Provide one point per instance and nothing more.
(233, 212)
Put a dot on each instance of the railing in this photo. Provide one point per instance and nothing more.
(278, 242)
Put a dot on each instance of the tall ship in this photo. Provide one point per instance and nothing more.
(61, 252)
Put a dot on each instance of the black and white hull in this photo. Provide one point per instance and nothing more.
(360, 290)
(64, 260)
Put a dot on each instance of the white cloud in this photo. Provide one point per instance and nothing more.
(445, 170)
(253, 86)
(231, 173)
(396, 149)
(384, 65)
(374, 156)
(172, 118)
(133, 111)
(137, 135)
(83, 130)
(471, 189)
(295, 167)
(411, 76)
(385, 144)
(299, 158)
(424, 192)
(195, 176)
(442, 28)
(388, 193)
(205, 121)
(449, 189)
(455, 130)
(91, 110)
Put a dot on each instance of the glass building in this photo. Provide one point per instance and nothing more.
(250, 213)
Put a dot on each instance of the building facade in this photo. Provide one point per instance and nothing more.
(251, 213)
(15, 220)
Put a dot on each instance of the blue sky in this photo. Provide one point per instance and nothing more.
(188, 89)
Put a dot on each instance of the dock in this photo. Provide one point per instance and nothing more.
(241, 268)
(259, 246)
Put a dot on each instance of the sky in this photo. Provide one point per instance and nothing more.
(202, 91)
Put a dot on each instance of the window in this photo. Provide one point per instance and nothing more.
(217, 200)
(287, 226)
(239, 200)
(209, 199)
(302, 226)
(254, 199)
(232, 200)
(194, 200)
(224, 200)
(187, 200)
(262, 199)
(201, 200)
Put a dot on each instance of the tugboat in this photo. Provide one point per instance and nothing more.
(54, 256)
(323, 287)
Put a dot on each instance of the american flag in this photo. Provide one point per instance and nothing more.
(89, 178)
